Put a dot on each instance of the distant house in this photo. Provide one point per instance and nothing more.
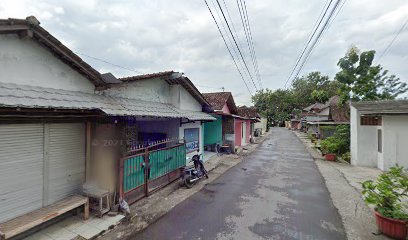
(379, 133)
(233, 125)
(251, 117)
(221, 131)
(318, 118)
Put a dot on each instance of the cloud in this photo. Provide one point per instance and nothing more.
(151, 36)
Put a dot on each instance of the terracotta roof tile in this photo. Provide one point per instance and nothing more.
(248, 112)
(147, 76)
(218, 99)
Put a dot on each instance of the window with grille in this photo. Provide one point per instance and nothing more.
(370, 120)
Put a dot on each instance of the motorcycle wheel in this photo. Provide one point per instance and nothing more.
(187, 182)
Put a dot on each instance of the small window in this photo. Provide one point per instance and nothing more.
(242, 132)
(379, 137)
(370, 120)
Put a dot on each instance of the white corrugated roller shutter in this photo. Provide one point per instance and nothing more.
(21, 169)
(66, 161)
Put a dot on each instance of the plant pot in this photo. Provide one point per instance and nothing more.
(330, 157)
(393, 228)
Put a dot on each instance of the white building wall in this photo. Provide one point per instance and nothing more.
(156, 90)
(395, 141)
(261, 124)
(363, 140)
(25, 62)
(188, 102)
(153, 90)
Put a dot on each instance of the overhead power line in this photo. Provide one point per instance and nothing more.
(313, 32)
(225, 42)
(236, 44)
(393, 40)
(230, 40)
(107, 62)
(255, 59)
(318, 38)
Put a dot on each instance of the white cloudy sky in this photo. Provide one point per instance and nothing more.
(158, 35)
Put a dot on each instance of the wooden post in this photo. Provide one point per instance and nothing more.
(121, 165)
(88, 151)
(86, 210)
(146, 171)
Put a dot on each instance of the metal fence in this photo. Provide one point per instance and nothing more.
(149, 169)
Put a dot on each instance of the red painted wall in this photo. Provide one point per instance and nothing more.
(248, 130)
(238, 132)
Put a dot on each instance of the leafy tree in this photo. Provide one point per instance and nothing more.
(276, 105)
(365, 81)
(304, 86)
(320, 96)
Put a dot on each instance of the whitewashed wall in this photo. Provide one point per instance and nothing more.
(188, 102)
(363, 142)
(156, 90)
(395, 141)
(23, 61)
(262, 124)
(153, 90)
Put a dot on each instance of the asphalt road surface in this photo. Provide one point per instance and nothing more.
(277, 192)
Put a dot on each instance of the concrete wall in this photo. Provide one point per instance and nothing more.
(363, 140)
(262, 124)
(188, 102)
(238, 132)
(249, 134)
(105, 154)
(395, 141)
(156, 90)
(23, 61)
(153, 90)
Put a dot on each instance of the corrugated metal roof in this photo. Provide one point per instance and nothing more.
(382, 107)
(13, 95)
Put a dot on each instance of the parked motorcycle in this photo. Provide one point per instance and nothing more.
(191, 174)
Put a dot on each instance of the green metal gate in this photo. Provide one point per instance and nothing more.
(150, 170)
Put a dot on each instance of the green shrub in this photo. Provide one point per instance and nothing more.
(346, 157)
(339, 142)
(387, 192)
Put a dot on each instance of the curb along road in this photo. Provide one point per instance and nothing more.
(358, 219)
(150, 209)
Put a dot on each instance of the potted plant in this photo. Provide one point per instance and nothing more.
(386, 194)
(329, 149)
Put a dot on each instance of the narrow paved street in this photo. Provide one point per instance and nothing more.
(275, 193)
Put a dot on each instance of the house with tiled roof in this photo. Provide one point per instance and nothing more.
(63, 123)
(251, 117)
(233, 125)
(321, 118)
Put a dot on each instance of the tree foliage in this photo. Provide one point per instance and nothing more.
(339, 142)
(365, 81)
(282, 104)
